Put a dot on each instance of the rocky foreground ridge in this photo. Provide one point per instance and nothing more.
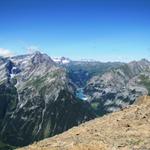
(128, 129)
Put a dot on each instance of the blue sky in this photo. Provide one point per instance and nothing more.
(105, 30)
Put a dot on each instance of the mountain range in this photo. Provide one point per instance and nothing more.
(42, 96)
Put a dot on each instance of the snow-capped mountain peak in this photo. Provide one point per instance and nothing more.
(61, 60)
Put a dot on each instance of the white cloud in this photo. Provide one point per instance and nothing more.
(5, 52)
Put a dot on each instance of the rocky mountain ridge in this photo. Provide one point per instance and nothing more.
(37, 100)
(119, 87)
(80, 72)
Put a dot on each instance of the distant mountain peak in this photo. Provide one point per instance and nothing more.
(37, 52)
(61, 60)
(41, 57)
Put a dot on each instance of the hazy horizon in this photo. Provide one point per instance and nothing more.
(106, 30)
(80, 59)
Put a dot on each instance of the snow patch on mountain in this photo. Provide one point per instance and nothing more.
(61, 60)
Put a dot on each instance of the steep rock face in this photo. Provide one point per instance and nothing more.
(37, 100)
(4, 69)
(119, 87)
